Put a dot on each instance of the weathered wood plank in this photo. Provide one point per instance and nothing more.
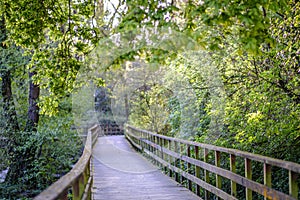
(251, 185)
(121, 173)
(263, 159)
(233, 170)
(197, 170)
(267, 177)
(248, 175)
(293, 185)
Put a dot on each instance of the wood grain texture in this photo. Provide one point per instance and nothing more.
(140, 138)
(121, 173)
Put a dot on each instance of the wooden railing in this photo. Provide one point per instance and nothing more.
(78, 181)
(213, 172)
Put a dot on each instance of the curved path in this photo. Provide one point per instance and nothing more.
(120, 173)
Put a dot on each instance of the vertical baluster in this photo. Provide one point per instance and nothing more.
(64, 195)
(233, 169)
(248, 175)
(76, 189)
(218, 164)
(142, 141)
(140, 136)
(267, 177)
(176, 161)
(82, 181)
(146, 146)
(86, 177)
(156, 150)
(153, 148)
(90, 172)
(160, 151)
(182, 163)
(151, 140)
(169, 158)
(206, 173)
(135, 133)
(165, 158)
(189, 167)
(197, 170)
(293, 185)
(162, 141)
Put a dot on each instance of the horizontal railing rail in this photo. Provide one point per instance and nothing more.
(207, 167)
(79, 179)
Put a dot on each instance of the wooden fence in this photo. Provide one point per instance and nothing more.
(112, 129)
(213, 172)
(79, 179)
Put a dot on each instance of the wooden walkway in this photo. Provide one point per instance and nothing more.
(120, 173)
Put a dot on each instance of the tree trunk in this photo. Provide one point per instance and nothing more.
(33, 108)
(11, 126)
(21, 161)
(10, 115)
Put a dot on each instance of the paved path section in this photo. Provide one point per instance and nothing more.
(120, 173)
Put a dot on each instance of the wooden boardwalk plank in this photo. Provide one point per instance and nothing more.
(120, 173)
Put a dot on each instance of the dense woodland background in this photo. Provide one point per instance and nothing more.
(240, 89)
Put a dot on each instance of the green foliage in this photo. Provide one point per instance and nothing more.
(246, 87)
(174, 117)
(262, 110)
(242, 93)
(56, 35)
(53, 150)
(149, 107)
(52, 38)
(249, 22)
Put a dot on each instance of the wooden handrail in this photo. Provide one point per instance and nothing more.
(184, 160)
(79, 179)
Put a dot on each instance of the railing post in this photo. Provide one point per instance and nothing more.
(157, 150)
(164, 157)
(81, 184)
(197, 170)
(139, 141)
(142, 141)
(248, 174)
(151, 147)
(87, 171)
(148, 138)
(267, 177)
(293, 185)
(217, 163)
(161, 151)
(206, 173)
(169, 158)
(233, 169)
(64, 195)
(176, 163)
(182, 166)
(91, 172)
(189, 166)
(76, 189)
